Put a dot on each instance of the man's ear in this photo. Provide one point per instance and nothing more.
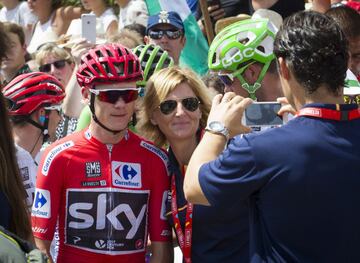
(283, 68)
(184, 40)
(85, 95)
(146, 40)
(252, 73)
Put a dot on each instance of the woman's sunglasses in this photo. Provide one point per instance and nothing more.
(168, 106)
(171, 34)
(47, 67)
(113, 95)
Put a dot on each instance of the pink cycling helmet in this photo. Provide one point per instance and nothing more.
(30, 91)
(108, 63)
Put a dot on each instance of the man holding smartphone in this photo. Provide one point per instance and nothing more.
(166, 29)
(300, 179)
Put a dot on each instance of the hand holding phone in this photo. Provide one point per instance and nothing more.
(88, 27)
(262, 114)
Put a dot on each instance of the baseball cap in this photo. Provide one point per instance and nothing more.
(165, 17)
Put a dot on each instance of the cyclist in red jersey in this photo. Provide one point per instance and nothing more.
(106, 186)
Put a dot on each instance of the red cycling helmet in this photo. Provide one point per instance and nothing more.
(108, 63)
(27, 92)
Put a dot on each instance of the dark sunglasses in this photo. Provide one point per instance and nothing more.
(113, 95)
(171, 34)
(226, 79)
(168, 106)
(47, 67)
(348, 99)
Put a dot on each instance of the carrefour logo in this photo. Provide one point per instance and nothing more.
(126, 174)
(42, 204)
(52, 154)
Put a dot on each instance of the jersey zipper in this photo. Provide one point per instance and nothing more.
(111, 200)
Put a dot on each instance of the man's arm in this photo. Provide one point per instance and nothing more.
(227, 110)
(162, 252)
(44, 246)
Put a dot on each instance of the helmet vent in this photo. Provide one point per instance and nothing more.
(99, 54)
(244, 41)
(119, 68)
(261, 49)
(109, 53)
(131, 67)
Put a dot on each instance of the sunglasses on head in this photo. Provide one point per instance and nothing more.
(171, 34)
(47, 67)
(113, 95)
(349, 99)
(190, 104)
(54, 107)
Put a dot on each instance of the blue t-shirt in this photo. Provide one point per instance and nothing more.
(302, 181)
(219, 234)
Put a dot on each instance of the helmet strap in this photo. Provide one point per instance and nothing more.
(92, 109)
(252, 88)
(44, 128)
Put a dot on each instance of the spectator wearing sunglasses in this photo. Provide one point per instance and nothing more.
(175, 110)
(15, 62)
(299, 178)
(166, 29)
(58, 62)
(107, 186)
(34, 108)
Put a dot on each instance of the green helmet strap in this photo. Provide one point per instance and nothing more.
(252, 88)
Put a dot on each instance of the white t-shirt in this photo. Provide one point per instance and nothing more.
(43, 33)
(20, 15)
(134, 12)
(28, 169)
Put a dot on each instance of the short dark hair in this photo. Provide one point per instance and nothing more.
(15, 29)
(139, 28)
(348, 19)
(315, 50)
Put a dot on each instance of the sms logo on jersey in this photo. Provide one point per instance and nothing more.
(126, 174)
(42, 204)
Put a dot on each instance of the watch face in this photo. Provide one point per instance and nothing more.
(216, 126)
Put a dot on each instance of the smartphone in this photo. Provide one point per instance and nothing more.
(260, 114)
(88, 27)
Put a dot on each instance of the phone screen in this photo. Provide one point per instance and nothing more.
(261, 114)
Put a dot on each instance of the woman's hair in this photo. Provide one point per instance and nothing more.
(158, 88)
(54, 50)
(10, 181)
(315, 50)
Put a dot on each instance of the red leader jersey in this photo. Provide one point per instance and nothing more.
(106, 198)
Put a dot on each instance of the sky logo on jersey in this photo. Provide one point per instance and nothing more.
(41, 206)
(126, 174)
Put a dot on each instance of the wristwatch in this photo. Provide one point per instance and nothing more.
(217, 127)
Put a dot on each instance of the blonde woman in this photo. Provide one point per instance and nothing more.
(174, 113)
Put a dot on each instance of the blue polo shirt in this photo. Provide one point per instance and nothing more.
(302, 181)
(219, 234)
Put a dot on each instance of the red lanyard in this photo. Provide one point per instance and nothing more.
(330, 114)
(183, 239)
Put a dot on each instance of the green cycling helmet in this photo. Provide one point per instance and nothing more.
(241, 44)
(152, 58)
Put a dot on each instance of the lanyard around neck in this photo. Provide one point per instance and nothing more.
(330, 114)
